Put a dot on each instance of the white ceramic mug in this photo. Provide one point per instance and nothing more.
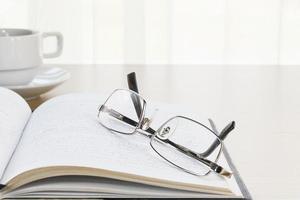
(21, 53)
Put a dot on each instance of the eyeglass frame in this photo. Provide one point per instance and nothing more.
(151, 133)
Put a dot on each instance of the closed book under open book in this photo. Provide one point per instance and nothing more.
(60, 150)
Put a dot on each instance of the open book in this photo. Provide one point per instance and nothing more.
(61, 150)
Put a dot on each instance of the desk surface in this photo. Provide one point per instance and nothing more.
(263, 100)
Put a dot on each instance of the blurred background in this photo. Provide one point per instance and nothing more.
(164, 31)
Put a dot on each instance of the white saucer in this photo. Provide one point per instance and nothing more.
(46, 79)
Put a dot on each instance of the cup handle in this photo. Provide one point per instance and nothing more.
(59, 44)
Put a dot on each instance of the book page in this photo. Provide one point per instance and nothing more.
(14, 114)
(65, 132)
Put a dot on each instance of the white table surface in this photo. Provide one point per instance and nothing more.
(263, 100)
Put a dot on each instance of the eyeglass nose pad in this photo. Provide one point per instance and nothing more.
(147, 121)
(167, 130)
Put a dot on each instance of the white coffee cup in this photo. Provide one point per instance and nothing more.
(21, 54)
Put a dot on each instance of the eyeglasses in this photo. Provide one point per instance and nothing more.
(181, 141)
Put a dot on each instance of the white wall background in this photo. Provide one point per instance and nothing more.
(165, 31)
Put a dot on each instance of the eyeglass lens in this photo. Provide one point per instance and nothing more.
(119, 114)
(190, 135)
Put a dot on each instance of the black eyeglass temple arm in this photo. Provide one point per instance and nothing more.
(132, 82)
(224, 133)
(132, 85)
